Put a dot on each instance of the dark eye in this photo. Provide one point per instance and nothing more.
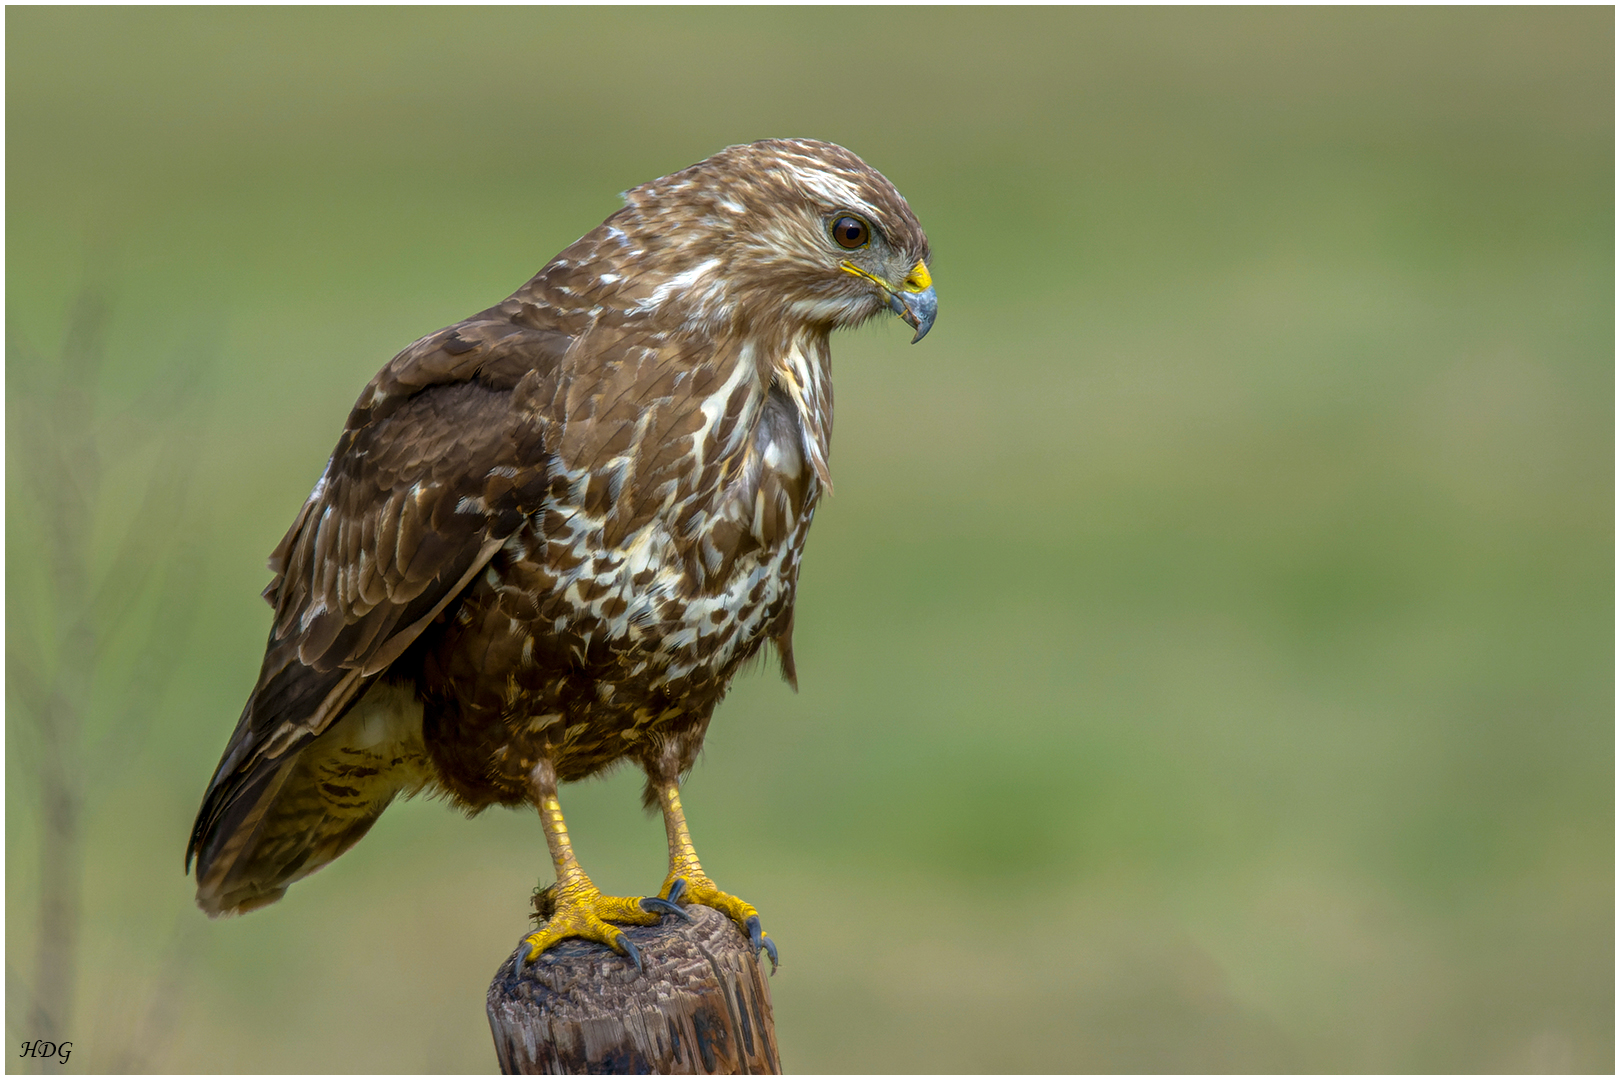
(850, 232)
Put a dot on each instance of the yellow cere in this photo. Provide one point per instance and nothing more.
(916, 281)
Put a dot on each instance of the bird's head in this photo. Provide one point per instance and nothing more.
(788, 230)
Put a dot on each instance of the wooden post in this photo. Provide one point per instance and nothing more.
(701, 1005)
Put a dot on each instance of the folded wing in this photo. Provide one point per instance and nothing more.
(440, 462)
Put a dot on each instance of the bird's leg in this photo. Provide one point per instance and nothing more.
(688, 884)
(574, 907)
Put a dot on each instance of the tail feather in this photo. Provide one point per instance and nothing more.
(282, 818)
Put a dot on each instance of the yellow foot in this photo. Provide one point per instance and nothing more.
(698, 889)
(582, 911)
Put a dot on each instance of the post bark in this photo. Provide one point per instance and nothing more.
(701, 1005)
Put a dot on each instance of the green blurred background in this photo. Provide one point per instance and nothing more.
(1207, 657)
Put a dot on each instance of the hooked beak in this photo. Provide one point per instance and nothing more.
(917, 309)
(914, 301)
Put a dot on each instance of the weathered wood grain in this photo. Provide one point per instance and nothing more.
(702, 1005)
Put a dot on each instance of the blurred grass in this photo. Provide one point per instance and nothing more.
(1207, 658)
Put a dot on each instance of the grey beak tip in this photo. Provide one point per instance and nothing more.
(917, 309)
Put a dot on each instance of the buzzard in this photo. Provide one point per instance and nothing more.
(551, 534)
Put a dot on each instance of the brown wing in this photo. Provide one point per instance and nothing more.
(441, 460)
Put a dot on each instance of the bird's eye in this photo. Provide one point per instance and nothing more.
(850, 232)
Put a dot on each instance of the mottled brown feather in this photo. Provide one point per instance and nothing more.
(555, 530)
(326, 648)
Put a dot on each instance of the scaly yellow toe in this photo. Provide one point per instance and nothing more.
(583, 912)
(684, 888)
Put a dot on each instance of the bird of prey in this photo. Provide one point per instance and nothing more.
(551, 534)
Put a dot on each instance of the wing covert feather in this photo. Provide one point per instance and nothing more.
(442, 459)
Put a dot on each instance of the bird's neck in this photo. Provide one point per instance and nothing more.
(801, 366)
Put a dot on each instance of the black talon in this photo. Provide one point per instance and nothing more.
(631, 951)
(517, 961)
(757, 938)
(664, 907)
(676, 888)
